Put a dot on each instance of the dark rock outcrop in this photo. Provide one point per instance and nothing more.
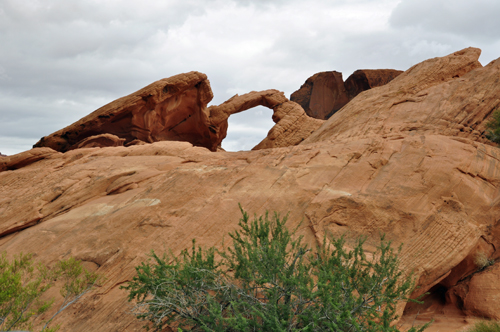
(366, 79)
(321, 95)
(325, 93)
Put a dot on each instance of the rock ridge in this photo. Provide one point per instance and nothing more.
(413, 102)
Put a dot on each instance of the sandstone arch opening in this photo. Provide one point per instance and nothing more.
(175, 109)
(247, 129)
(292, 125)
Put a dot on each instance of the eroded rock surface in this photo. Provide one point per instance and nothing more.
(407, 159)
(449, 96)
(169, 109)
(25, 158)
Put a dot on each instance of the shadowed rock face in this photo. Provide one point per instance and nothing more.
(325, 93)
(322, 94)
(407, 159)
(366, 79)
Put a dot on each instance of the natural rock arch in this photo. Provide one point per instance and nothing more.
(293, 125)
(175, 109)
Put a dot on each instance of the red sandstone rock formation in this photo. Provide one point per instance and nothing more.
(322, 95)
(292, 123)
(25, 158)
(174, 109)
(450, 96)
(99, 141)
(325, 93)
(407, 159)
(169, 109)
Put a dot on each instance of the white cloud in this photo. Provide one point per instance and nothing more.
(476, 19)
(60, 59)
(424, 47)
(11, 144)
(248, 129)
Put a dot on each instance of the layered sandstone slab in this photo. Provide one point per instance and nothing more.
(25, 158)
(394, 160)
(113, 205)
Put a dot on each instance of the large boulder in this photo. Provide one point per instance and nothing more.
(407, 159)
(322, 94)
(325, 93)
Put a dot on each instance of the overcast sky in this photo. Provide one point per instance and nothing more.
(62, 59)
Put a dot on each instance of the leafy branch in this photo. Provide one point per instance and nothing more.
(268, 280)
(22, 285)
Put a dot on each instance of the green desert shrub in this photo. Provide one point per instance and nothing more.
(485, 326)
(269, 280)
(22, 284)
(493, 126)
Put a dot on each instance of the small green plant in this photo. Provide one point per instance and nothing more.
(22, 285)
(485, 326)
(268, 280)
(493, 126)
(482, 261)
